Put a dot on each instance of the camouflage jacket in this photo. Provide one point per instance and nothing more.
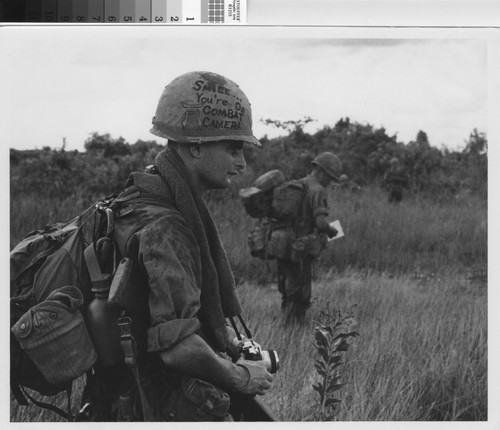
(153, 232)
(315, 203)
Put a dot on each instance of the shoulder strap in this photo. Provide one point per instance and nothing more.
(68, 415)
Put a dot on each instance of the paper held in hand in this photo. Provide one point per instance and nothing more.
(336, 224)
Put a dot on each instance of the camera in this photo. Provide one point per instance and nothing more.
(252, 351)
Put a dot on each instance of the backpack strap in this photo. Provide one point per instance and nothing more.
(68, 415)
(18, 393)
(129, 347)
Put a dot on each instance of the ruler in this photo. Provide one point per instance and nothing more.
(125, 11)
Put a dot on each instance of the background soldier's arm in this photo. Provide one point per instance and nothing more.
(324, 227)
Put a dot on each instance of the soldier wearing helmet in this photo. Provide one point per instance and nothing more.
(294, 280)
(395, 179)
(348, 185)
(167, 229)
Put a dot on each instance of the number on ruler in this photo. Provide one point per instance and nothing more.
(143, 18)
(96, 18)
(127, 18)
(80, 18)
(111, 18)
(158, 18)
(174, 18)
(65, 18)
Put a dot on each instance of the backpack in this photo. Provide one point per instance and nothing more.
(48, 285)
(278, 205)
(270, 196)
(257, 199)
(61, 277)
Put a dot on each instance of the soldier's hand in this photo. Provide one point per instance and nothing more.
(257, 380)
(332, 232)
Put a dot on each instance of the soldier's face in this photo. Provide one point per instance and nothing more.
(218, 162)
(325, 180)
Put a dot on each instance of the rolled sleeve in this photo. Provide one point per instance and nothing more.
(320, 211)
(167, 334)
(318, 201)
(171, 259)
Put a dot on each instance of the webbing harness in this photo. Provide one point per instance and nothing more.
(101, 284)
(129, 347)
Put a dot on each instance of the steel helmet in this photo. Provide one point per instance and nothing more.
(330, 163)
(203, 107)
(394, 160)
(343, 178)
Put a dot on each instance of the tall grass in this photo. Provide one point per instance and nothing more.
(414, 235)
(423, 345)
(422, 353)
(399, 237)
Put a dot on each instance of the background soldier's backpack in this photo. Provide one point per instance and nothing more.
(278, 204)
(287, 201)
(396, 175)
(270, 196)
(258, 199)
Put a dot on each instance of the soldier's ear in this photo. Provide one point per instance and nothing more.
(195, 150)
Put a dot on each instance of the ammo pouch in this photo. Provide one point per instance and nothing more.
(268, 241)
(310, 245)
(54, 336)
(196, 400)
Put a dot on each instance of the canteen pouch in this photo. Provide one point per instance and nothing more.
(316, 243)
(257, 241)
(198, 400)
(298, 251)
(54, 336)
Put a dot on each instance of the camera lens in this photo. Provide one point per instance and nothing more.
(270, 357)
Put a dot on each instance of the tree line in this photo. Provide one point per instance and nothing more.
(365, 151)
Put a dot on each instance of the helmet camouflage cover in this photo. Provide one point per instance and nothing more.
(203, 107)
(330, 163)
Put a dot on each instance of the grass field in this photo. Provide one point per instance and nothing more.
(421, 353)
(414, 276)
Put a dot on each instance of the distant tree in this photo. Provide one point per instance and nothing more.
(422, 139)
(106, 146)
(144, 147)
(290, 125)
(477, 144)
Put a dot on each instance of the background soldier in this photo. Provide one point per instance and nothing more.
(395, 179)
(347, 184)
(295, 277)
(168, 230)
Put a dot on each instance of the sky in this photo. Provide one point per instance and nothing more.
(63, 83)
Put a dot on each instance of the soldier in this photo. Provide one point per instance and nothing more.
(395, 179)
(347, 184)
(295, 277)
(169, 231)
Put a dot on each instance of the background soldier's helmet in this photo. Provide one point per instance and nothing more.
(343, 178)
(394, 160)
(203, 107)
(330, 163)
